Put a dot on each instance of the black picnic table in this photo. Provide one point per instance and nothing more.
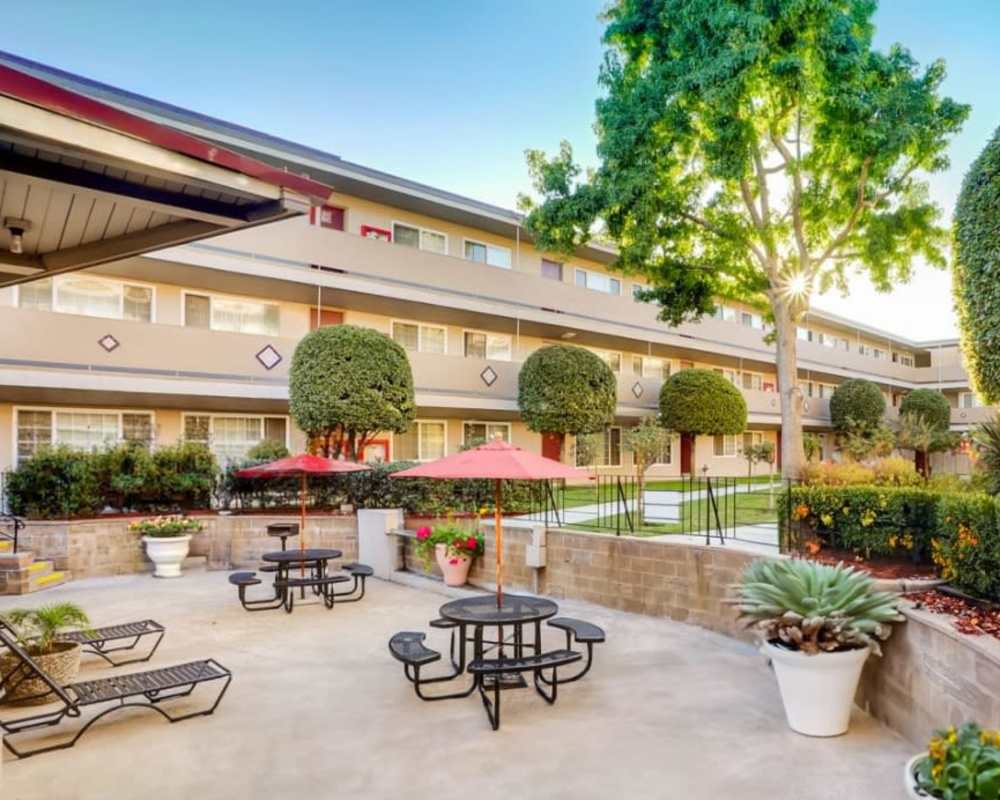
(315, 559)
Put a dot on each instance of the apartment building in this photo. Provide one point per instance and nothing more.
(194, 341)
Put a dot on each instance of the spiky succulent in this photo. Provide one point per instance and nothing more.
(815, 608)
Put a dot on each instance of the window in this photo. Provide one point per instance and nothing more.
(90, 296)
(969, 400)
(878, 355)
(806, 388)
(553, 270)
(725, 313)
(610, 453)
(372, 232)
(804, 334)
(491, 254)
(687, 365)
(231, 314)
(419, 338)
(495, 346)
(84, 429)
(725, 445)
(905, 359)
(750, 320)
(753, 381)
(666, 453)
(728, 374)
(825, 390)
(650, 367)
(420, 238)
(609, 357)
(598, 282)
(424, 441)
(474, 433)
(328, 217)
(230, 437)
(751, 439)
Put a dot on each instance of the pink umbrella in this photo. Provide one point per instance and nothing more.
(303, 465)
(496, 461)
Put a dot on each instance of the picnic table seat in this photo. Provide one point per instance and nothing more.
(96, 641)
(549, 660)
(360, 573)
(138, 689)
(408, 647)
(243, 579)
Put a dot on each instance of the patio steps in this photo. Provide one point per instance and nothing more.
(21, 574)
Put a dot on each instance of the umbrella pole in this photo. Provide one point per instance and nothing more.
(302, 523)
(498, 536)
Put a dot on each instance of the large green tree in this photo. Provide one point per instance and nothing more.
(755, 150)
(347, 384)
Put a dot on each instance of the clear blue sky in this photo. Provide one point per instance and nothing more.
(451, 92)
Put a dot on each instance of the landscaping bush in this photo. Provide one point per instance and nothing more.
(56, 482)
(856, 404)
(930, 404)
(563, 389)
(831, 473)
(868, 520)
(701, 401)
(182, 477)
(896, 471)
(966, 545)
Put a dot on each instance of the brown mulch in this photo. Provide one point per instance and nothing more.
(877, 567)
(970, 618)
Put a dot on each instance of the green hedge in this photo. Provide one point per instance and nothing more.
(957, 532)
(856, 404)
(701, 401)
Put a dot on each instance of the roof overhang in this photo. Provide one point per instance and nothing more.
(96, 184)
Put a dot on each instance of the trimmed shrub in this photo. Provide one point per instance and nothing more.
(930, 404)
(348, 383)
(267, 450)
(868, 520)
(563, 389)
(966, 545)
(830, 473)
(701, 401)
(976, 270)
(56, 482)
(896, 471)
(856, 404)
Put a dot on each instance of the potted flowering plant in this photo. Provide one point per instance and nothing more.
(167, 542)
(453, 548)
(962, 763)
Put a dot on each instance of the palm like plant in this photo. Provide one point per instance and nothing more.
(38, 628)
(815, 608)
(987, 439)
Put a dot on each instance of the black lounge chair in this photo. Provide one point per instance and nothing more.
(96, 641)
(135, 690)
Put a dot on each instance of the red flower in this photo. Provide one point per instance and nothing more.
(424, 533)
(453, 561)
(471, 544)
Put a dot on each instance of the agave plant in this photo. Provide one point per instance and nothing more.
(815, 608)
(38, 628)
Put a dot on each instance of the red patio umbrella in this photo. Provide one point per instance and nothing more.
(302, 466)
(497, 461)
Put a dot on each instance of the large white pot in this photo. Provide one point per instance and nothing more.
(817, 690)
(167, 554)
(910, 782)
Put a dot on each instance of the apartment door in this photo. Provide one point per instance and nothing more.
(687, 448)
(552, 446)
(321, 317)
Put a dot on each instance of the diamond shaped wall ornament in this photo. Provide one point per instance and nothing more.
(108, 342)
(637, 390)
(268, 357)
(489, 376)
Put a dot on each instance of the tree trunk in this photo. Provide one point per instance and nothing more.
(792, 452)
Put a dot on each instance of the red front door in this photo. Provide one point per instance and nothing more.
(552, 446)
(687, 445)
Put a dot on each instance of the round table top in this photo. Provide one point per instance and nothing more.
(482, 609)
(295, 556)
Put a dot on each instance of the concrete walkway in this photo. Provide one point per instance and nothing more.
(318, 709)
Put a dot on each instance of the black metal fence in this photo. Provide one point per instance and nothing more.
(714, 507)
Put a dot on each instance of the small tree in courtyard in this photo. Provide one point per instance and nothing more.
(930, 404)
(924, 423)
(757, 152)
(347, 384)
(563, 389)
(701, 402)
(857, 409)
(645, 441)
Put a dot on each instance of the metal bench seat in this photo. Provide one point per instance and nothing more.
(580, 630)
(324, 581)
(408, 647)
(96, 641)
(550, 660)
(244, 579)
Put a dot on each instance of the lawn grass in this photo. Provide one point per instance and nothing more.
(584, 495)
(745, 508)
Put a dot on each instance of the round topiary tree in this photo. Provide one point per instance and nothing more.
(701, 401)
(347, 384)
(563, 389)
(857, 405)
(976, 270)
(930, 404)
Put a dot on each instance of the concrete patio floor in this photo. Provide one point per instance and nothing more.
(319, 709)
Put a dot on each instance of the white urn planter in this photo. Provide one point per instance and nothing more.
(817, 690)
(167, 554)
(910, 782)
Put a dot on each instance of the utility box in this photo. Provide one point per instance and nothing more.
(534, 556)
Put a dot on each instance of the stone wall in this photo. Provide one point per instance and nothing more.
(929, 676)
(102, 547)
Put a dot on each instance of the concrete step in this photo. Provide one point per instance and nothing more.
(46, 578)
(39, 569)
(6, 546)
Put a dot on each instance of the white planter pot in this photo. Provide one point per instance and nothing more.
(817, 691)
(167, 554)
(910, 782)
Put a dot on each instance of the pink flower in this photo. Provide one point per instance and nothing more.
(471, 544)
(452, 561)
(423, 533)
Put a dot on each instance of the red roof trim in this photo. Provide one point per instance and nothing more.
(21, 86)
